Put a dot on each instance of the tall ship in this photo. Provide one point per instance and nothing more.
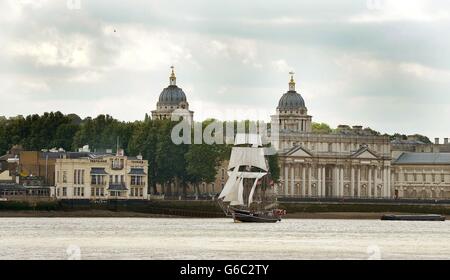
(248, 172)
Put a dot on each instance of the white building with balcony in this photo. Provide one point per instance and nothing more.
(101, 177)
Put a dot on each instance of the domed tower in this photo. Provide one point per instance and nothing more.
(292, 114)
(172, 99)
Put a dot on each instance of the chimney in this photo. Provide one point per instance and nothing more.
(446, 141)
(436, 141)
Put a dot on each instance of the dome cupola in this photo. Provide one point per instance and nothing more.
(172, 95)
(291, 99)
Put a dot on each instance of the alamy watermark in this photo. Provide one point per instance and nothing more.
(373, 252)
(217, 132)
(73, 252)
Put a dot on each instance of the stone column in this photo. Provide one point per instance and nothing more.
(292, 179)
(286, 179)
(319, 181)
(303, 182)
(385, 181)
(341, 180)
(335, 181)
(309, 180)
(369, 182)
(359, 181)
(389, 176)
(352, 182)
(375, 181)
(323, 182)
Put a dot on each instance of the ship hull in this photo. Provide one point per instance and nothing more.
(254, 218)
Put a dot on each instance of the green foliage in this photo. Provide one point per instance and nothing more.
(274, 167)
(321, 128)
(36, 132)
(419, 137)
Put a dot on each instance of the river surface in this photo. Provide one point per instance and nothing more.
(173, 238)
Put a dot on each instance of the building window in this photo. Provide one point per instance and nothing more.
(442, 178)
(64, 178)
(64, 191)
(137, 180)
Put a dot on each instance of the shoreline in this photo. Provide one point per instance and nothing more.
(130, 214)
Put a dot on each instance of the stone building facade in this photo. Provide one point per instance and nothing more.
(351, 163)
(100, 177)
(422, 175)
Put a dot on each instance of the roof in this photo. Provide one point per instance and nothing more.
(98, 171)
(423, 158)
(117, 187)
(6, 156)
(11, 186)
(137, 171)
(291, 100)
(172, 95)
(406, 142)
(73, 155)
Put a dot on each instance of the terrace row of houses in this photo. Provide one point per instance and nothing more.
(72, 175)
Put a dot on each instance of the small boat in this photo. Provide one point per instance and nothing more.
(428, 217)
(247, 170)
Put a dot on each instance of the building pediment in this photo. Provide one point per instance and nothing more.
(364, 152)
(299, 151)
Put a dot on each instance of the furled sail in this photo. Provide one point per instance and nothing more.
(246, 156)
(246, 174)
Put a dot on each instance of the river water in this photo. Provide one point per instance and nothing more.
(173, 238)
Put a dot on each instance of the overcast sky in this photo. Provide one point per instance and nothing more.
(381, 64)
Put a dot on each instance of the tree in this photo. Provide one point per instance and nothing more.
(202, 161)
(274, 167)
(144, 141)
(321, 128)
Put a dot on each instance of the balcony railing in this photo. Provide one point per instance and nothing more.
(98, 183)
